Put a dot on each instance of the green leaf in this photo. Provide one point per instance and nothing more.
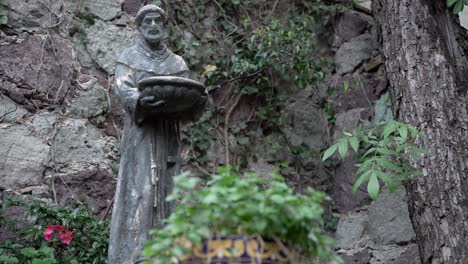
(44, 261)
(361, 179)
(450, 3)
(343, 149)
(385, 151)
(403, 132)
(390, 182)
(388, 165)
(210, 198)
(354, 142)
(388, 129)
(458, 7)
(346, 86)
(3, 20)
(420, 150)
(329, 152)
(373, 187)
(243, 141)
(8, 260)
(29, 252)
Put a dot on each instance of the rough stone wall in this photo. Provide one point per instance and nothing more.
(59, 123)
(58, 140)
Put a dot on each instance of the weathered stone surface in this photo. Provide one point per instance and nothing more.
(350, 231)
(106, 42)
(464, 18)
(132, 6)
(90, 102)
(95, 188)
(347, 122)
(353, 53)
(33, 15)
(364, 5)
(360, 257)
(397, 255)
(389, 221)
(343, 197)
(364, 89)
(43, 124)
(78, 144)
(38, 71)
(10, 111)
(23, 157)
(101, 9)
(350, 24)
(272, 148)
(306, 123)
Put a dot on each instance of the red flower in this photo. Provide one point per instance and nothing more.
(64, 235)
(66, 238)
(48, 233)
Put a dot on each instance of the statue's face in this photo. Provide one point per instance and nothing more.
(152, 28)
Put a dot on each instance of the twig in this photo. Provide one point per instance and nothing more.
(109, 105)
(53, 190)
(273, 9)
(41, 62)
(4, 107)
(226, 128)
(365, 93)
(107, 209)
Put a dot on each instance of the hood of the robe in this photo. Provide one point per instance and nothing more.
(140, 57)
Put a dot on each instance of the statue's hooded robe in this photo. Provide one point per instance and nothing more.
(149, 154)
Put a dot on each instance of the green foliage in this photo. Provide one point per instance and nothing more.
(457, 5)
(43, 255)
(89, 244)
(386, 148)
(234, 204)
(259, 56)
(3, 12)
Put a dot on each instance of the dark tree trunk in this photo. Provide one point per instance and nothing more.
(426, 62)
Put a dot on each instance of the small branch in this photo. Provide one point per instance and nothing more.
(273, 9)
(109, 105)
(226, 128)
(107, 210)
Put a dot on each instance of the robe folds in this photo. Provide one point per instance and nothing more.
(149, 154)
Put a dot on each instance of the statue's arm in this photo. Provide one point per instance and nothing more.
(126, 90)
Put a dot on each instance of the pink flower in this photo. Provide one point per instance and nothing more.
(67, 237)
(64, 235)
(48, 233)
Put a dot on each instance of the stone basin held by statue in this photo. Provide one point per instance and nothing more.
(180, 95)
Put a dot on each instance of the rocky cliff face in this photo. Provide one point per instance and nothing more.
(60, 125)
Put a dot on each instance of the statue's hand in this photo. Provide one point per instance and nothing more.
(150, 102)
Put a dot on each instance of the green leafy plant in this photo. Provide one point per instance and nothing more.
(3, 12)
(249, 205)
(261, 59)
(385, 152)
(457, 5)
(27, 255)
(85, 239)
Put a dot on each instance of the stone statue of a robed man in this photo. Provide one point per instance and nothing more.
(155, 99)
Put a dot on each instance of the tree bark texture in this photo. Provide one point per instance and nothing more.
(426, 63)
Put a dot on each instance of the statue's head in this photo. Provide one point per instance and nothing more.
(151, 21)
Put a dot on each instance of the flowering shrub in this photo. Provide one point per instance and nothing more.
(76, 236)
